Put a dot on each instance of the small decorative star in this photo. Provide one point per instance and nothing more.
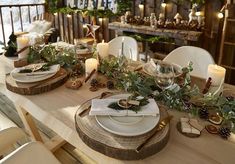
(91, 30)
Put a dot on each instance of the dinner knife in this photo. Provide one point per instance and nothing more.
(158, 128)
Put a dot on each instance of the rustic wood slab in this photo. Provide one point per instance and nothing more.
(172, 33)
(120, 147)
(37, 87)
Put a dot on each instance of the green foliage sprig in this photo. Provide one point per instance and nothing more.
(123, 6)
(110, 67)
(52, 55)
(135, 108)
(224, 106)
(152, 39)
(135, 83)
(185, 98)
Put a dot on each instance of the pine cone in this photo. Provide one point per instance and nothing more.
(187, 105)
(230, 98)
(224, 132)
(203, 113)
(110, 85)
(94, 83)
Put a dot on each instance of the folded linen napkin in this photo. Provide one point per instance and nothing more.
(100, 107)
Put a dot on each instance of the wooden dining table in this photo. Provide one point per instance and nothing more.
(57, 108)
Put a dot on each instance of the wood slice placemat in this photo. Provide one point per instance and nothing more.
(116, 146)
(37, 87)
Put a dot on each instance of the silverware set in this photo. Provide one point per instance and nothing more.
(161, 125)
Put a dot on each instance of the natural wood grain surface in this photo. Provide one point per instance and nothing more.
(172, 33)
(37, 87)
(120, 147)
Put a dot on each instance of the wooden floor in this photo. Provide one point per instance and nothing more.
(67, 154)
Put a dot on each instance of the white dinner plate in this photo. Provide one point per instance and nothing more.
(147, 68)
(127, 125)
(35, 76)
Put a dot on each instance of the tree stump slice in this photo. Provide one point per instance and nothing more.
(37, 87)
(120, 147)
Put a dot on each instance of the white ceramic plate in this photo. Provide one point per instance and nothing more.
(35, 76)
(127, 125)
(148, 70)
(124, 121)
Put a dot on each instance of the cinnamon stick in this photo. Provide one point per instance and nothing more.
(207, 86)
(90, 75)
(23, 49)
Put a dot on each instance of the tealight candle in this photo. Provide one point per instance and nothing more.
(217, 74)
(22, 42)
(90, 65)
(103, 49)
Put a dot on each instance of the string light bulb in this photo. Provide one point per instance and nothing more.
(141, 5)
(55, 14)
(163, 4)
(220, 15)
(100, 19)
(68, 15)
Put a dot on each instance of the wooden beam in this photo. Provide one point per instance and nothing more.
(28, 123)
(55, 143)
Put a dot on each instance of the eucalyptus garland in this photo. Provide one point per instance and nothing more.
(152, 39)
(50, 54)
(185, 98)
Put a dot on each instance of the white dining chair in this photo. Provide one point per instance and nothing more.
(130, 47)
(200, 58)
(30, 152)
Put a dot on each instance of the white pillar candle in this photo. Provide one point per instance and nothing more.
(90, 65)
(22, 42)
(217, 74)
(141, 7)
(103, 49)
